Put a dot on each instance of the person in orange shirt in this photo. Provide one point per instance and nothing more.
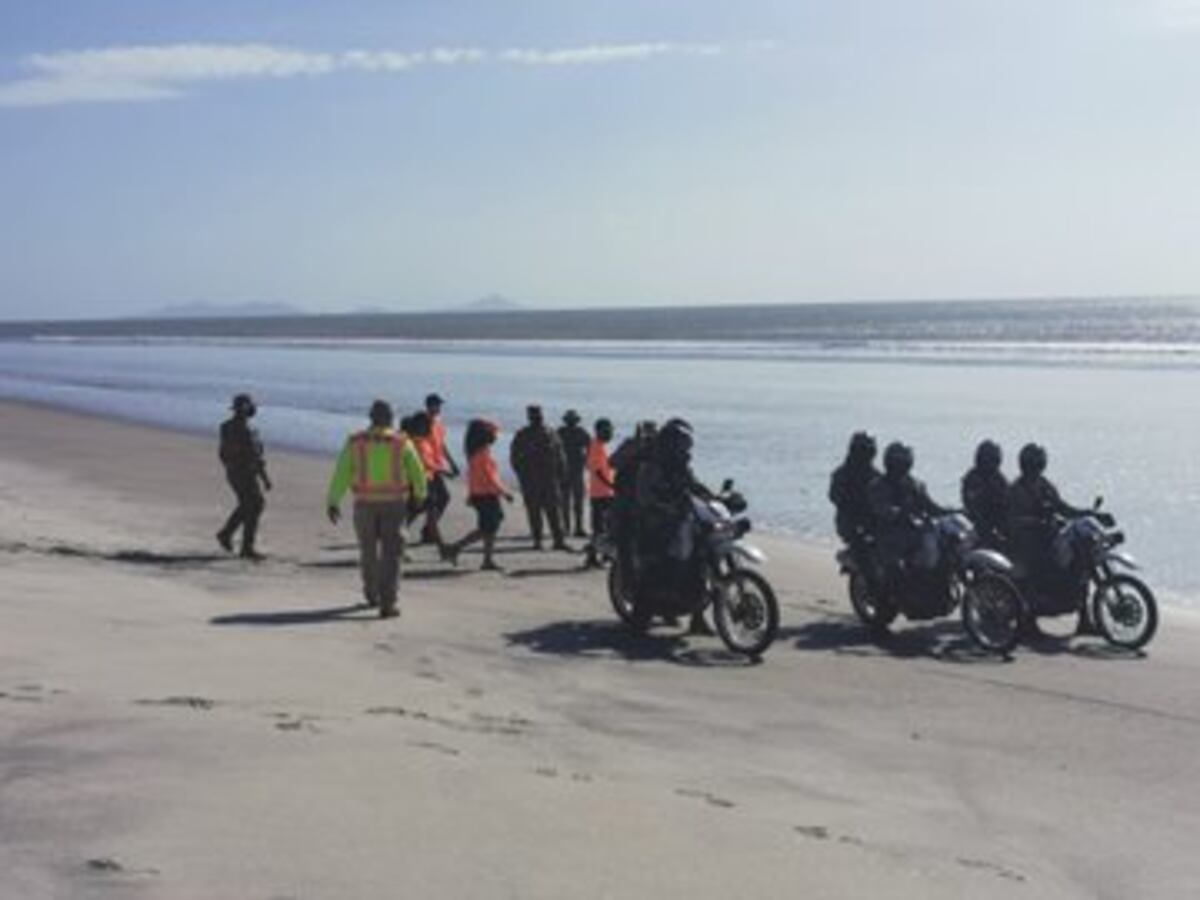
(443, 467)
(601, 485)
(484, 491)
(418, 427)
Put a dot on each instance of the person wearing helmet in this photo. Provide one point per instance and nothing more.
(665, 486)
(536, 456)
(626, 461)
(896, 498)
(848, 491)
(575, 443)
(985, 495)
(241, 453)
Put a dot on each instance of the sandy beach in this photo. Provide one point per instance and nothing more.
(178, 723)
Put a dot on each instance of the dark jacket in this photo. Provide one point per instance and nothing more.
(985, 499)
(241, 449)
(575, 441)
(1033, 502)
(536, 456)
(848, 492)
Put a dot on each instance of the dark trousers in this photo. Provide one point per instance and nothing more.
(250, 505)
(539, 504)
(601, 509)
(573, 491)
(378, 527)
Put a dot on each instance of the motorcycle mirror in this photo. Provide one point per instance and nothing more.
(1099, 502)
(727, 486)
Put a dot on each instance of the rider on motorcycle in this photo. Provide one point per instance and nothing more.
(1034, 507)
(985, 495)
(848, 487)
(896, 499)
(665, 487)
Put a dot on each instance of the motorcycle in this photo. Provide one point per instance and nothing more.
(715, 570)
(948, 570)
(1082, 577)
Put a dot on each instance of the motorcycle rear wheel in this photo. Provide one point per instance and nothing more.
(874, 612)
(992, 612)
(746, 613)
(1125, 611)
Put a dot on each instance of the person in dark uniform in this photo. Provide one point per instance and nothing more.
(985, 495)
(246, 471)
(897, 497)
(575, 441)
(625, 462)
(848, 487)
(537, 458)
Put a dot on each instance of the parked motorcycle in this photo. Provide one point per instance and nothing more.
(948, 570)
(1083, 577)
(717, 572)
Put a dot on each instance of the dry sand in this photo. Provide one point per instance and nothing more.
(176, 723)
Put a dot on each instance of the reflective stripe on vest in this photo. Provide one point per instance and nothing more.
(396, 488)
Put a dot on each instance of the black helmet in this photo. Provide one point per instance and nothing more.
(861, 449)
(898, 459)
(1033, 459)
(988, 455)
(675, 439)
(381, 414)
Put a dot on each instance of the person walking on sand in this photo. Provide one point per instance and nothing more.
(419, 429)
(443, 466)
(241, 453)
(537, 458)
(601, 485)
(484, 490)
(575, 442)
(381, 468)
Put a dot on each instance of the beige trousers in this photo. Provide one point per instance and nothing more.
(379, 527)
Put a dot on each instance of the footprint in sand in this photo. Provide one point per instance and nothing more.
(106, 865)
(24, 693)
(816, 832)
(188, 702)
(710, 799)
(994, 868)
(298, 723)
(435, 747)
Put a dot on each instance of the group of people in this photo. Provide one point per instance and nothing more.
(398, 475)
(876, 511)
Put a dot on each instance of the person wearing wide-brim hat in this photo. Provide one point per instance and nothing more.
(575, 441)
(246, 471)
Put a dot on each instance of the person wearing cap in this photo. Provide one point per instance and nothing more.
(575, 442)
(536, 456)
(241, 453)
(380, 466)
(441, 465)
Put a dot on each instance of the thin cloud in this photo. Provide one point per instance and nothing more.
(142, 73)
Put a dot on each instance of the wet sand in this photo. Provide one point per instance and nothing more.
(177, 723)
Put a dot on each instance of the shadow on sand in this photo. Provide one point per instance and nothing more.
(356, 613)
(609, 639)
(944, 641)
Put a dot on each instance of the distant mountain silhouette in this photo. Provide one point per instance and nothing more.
(222, 311)
(490, 303)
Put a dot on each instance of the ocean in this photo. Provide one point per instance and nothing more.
(1108, 387)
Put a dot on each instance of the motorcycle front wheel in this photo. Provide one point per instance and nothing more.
(746, 612)
(620, 594)
(874, 612)
(1125, 611)
(992, 610)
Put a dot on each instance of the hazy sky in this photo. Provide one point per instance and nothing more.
(573, 152)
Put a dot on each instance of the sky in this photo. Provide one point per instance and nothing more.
(569, 153)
